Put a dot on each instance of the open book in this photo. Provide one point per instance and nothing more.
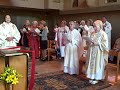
(88, 39)
(10, 51)
(37, 30)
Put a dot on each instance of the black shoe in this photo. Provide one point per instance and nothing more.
(43, 59)
(36, 57)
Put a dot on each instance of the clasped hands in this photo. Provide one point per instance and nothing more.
(95, 43)
(10, 38)
(70, 41)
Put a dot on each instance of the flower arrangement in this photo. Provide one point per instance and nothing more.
(10, 76)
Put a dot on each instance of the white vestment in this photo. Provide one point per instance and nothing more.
(8, 30)
(73, 51)
(86, 29)
(97, 56)
(108, 28)
(91, 29)
(59, 39)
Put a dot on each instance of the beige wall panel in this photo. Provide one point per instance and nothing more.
(39, 4)
(19, 63)
(2, 65)
(56, 4)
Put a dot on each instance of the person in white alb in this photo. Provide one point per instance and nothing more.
(107, 28)
(60, 42)
(84, 31)
(9, 34)
(73, 50)
(97, 55)
(91, 29)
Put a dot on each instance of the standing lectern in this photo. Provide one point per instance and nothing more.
(18, 61)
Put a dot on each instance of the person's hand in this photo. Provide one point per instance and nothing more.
(83, 28)
(10, 38)
(57, 46)
(65, 31)
(84, 32)
(69, 41)
(116, 49)
(94, 43)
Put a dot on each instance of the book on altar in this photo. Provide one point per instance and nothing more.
(88, 39)
(10, 51)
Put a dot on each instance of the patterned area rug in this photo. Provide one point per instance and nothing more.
(62, 81)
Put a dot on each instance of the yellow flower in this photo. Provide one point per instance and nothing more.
(9, 78)
(15, 81)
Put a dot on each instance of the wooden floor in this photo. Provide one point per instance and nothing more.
(57, 65)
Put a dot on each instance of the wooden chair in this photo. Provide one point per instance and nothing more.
(110, 65)
(82, 60)
(51, 48)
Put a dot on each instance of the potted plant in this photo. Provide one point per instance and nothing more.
(10, 77)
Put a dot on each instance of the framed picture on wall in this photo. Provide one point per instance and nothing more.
(110, 1)
(56, 1)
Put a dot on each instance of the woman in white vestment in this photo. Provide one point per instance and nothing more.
(97, 56)
(9, 34)
(84, 31)
(91, 29)
(73, 50)
(60, 38)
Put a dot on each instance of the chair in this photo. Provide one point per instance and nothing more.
(82, 60)
(51, 48)
(110, 65)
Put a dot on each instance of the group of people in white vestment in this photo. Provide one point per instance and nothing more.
(74, 42)
(71, 42)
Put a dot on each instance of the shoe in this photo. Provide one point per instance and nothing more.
(42, 59)
(94, 82)
(90, 81)
(36, 57)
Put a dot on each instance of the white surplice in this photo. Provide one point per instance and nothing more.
(86, 29)
(59, 39)
(108, 28)
(97, 56)
(91, 29)
(8, 30)
(73, 51)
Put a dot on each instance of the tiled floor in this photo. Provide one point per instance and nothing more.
(57, 65)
